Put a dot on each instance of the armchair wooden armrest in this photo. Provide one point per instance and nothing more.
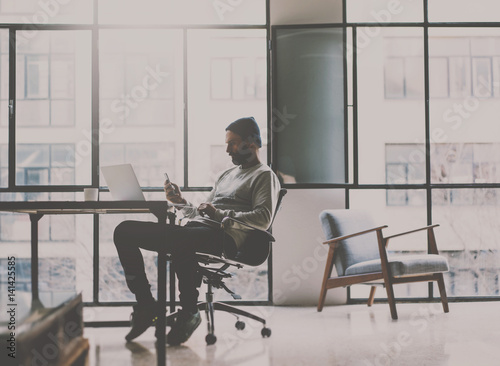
(340, 238)
(430, 232)
(412, 231)
(226, 220)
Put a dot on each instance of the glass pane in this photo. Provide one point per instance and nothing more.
(463, 11)
(4, 165)
(482, 77)
(405, 163)
(394, 74)
(141, 102)
(438, 77)
(468, 237)
(459, 81)
(464, 130)
(384, 11)
(390, 105)
(112, 285)
(33, 12)
(182, 12)
(308, 105)
(45, 164)
(4, 109)
(226, 73)
(53, 106)
(65, 253)
(401, 210)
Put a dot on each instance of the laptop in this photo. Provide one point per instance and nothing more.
(122, 182)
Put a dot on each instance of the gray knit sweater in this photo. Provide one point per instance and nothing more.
(248, 195)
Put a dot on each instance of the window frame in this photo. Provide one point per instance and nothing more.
(13, 189)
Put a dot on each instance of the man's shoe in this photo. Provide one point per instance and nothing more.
(141, 319)
(183, 327)
(170, 321)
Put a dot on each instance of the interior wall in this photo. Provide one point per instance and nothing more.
(304, 12)
(298, 255)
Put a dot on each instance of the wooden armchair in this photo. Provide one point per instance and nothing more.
(358, 251)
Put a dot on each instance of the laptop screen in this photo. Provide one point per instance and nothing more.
(122, 182)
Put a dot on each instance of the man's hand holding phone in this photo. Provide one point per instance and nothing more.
(173, 192)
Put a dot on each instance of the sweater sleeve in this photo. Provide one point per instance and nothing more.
(190, 211)
(264, 197)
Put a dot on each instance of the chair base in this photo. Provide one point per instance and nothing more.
(210, 307)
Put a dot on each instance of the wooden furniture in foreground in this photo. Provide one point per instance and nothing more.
(53, 336)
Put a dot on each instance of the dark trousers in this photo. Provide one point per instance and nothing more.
(182, 242)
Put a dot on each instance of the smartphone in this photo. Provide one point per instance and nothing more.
(167, 179)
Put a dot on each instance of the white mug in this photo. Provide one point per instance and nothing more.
(91, 194)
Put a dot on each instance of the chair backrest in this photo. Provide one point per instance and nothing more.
(354, 250)
(255, 250)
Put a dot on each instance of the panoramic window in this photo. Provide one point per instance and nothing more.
(158, 98)
(409, 149)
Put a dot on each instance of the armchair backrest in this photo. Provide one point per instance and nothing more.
(353, 250)
(257, 245)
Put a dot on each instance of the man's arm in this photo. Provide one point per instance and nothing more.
(264, 197)
(174, 195)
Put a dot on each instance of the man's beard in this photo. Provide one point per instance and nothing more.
(240, 159)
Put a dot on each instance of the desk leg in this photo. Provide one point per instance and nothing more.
(162, 300)
(171, 275)
(35, 296)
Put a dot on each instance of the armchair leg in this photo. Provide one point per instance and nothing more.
(328, 273)
(442, 292)
(391, 300)
(371, 298)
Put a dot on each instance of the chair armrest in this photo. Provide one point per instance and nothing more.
(430, 227)
(339, 238)
(225, 220)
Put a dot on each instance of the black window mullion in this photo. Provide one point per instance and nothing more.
(95, 109)
(355, 154)
(346, 105)
(95, 147)
(49, 81)
(186, 106)
(427, 130)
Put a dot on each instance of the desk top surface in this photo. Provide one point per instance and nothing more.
(85, 207)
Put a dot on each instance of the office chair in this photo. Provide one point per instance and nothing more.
(358, 252)
(254, 251)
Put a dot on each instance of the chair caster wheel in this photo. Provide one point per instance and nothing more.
(210, 339)
(240, 325)
(266, 332)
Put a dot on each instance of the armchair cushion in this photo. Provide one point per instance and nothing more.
(407, 265)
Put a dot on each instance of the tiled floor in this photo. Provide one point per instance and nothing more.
(340, 335)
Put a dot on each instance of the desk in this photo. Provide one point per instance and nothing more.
(36, 210)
